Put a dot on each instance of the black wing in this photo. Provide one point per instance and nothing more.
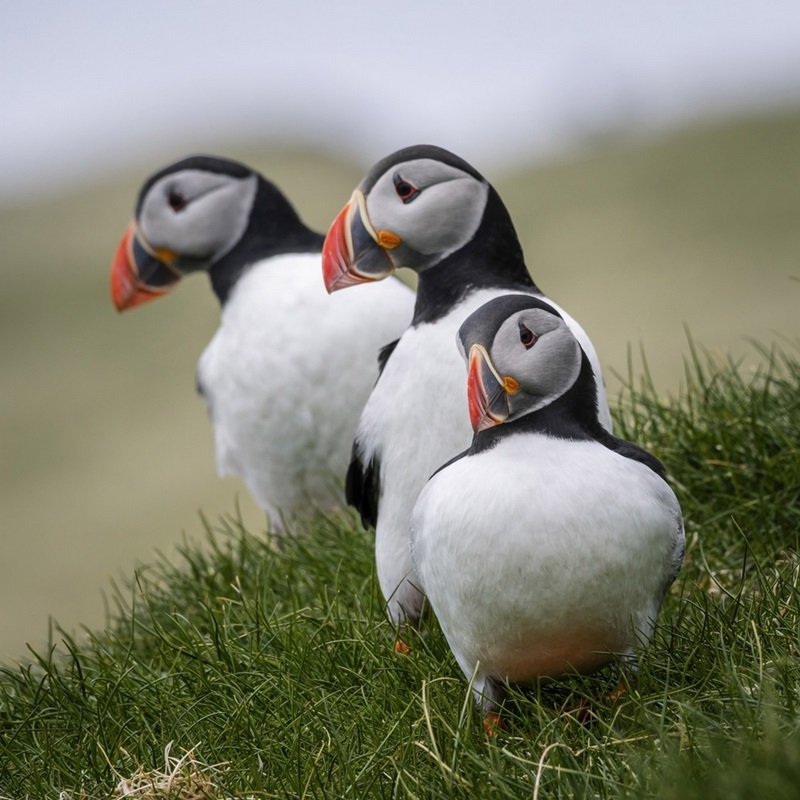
(452, 461)
(384, 354)
(632, 451)
(363, 486)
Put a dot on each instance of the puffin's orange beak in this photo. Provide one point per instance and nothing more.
(140, 274)
(487, 392)
(353, 252)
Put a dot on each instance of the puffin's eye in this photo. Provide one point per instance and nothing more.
(526, 336)
(177, 200)
(405, 191)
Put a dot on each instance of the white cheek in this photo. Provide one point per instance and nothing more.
(207, 228)
(185, 232)
(448, 215)
(509, 354)
(548, 368)
(154, 219)
(440, 220)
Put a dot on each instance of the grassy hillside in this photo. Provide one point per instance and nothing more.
(107, 451)
(250, 672)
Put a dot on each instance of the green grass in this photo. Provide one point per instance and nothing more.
(273, 666)
(107, 452)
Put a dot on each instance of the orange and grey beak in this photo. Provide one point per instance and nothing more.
(353, 251)
(487, 392)
(139, 273)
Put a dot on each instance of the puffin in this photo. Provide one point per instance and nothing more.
(427, 209)
(547, 547)
(287, 372)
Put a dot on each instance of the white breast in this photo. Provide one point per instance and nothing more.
(541, 556)
(416, 420)
(286, 376)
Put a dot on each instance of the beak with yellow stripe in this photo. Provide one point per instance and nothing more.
(139, 272)
(354, 252)
(521, 356)
(487, 392)
(413, 209)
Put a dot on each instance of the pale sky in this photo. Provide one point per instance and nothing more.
(88, 87)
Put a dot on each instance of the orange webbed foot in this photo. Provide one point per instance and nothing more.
(493, 723)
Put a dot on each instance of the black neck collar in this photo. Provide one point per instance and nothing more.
(572, 416)
(274, 228)
(491, 260)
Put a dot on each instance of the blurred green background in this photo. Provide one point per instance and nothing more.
(107, 451)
